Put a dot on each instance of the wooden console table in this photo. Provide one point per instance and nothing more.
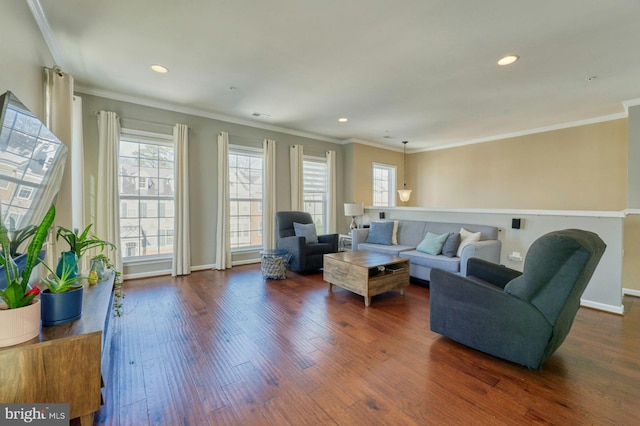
(64, 364)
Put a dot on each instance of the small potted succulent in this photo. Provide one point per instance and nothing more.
(20, 310)
(62, 299)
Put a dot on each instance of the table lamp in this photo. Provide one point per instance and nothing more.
(353, 210)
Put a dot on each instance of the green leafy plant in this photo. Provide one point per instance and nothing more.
(66, 281)
(18, 293)
(81, 242)
(118, 285)
(18, 236)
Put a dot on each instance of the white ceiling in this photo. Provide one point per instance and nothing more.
(417, 70)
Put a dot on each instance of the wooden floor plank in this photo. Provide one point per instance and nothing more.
(229, 348)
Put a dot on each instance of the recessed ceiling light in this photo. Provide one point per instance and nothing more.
(159, 69)
(508, 60)
(343, 119)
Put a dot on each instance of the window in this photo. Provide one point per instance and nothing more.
(384, 184)
(146, 179)
(314, 171)
(245, 197)
(25, 192)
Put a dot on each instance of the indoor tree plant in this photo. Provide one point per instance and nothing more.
(79, 243)
(20, 313)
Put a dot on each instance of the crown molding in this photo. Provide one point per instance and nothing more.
(47, 33)
(560, 126)
(153, 103)
(375, 145)
(630, 103)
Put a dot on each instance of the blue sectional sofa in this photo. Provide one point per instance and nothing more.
(410, 234)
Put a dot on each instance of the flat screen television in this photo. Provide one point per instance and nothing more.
(31, 164)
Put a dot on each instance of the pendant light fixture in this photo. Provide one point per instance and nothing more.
(404, 193)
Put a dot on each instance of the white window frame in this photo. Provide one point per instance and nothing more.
(391, 196)
(152, 138)
(324, 193)
(257, 153)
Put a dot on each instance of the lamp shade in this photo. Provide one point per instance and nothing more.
(353, 209)
(404, 194)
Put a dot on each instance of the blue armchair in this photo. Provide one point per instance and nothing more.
(305, 256)
(521, 317)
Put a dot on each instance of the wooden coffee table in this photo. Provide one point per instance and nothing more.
(366, 273)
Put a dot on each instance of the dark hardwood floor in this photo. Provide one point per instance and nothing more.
(226, 347)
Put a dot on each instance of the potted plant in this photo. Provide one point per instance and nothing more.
(62, 299)
(78, 243)
(18, 236)
(118, 293)
(20, 310)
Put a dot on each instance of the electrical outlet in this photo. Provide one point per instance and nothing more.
(515, 257)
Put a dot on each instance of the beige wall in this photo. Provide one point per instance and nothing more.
(578, 168)
(23, 54)
(363, 158)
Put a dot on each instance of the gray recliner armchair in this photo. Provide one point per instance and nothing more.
(304, 257)
(521, 317)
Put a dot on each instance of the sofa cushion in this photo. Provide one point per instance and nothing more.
(432, 243)
(411, 232)
(466, 238)
(381, 248)
(450, 247)
(306, 230)
(451, 264)
(380, 233)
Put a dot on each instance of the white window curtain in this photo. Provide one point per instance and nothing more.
(181, 249)
(332, 224)
(223, 233)
(58, 105)
(77, 166)
(107, 225)
(296, 157)
(269, 207)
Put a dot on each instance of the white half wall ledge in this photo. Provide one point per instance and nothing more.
(568, 213)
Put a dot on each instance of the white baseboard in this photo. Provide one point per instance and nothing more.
(631, 292)
(147, 274)
(602, 307)
(201, 267)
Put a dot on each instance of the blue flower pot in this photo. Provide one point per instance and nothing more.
(59, 308)
(21, 261)
(68, 260)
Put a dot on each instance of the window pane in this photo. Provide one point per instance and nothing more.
(383, 185)
(315, 192)
(146, 180)
(245, 192)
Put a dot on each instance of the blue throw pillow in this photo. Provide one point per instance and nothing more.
(432, 243)
(450, 247)
(307, 230)
(380, 233)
